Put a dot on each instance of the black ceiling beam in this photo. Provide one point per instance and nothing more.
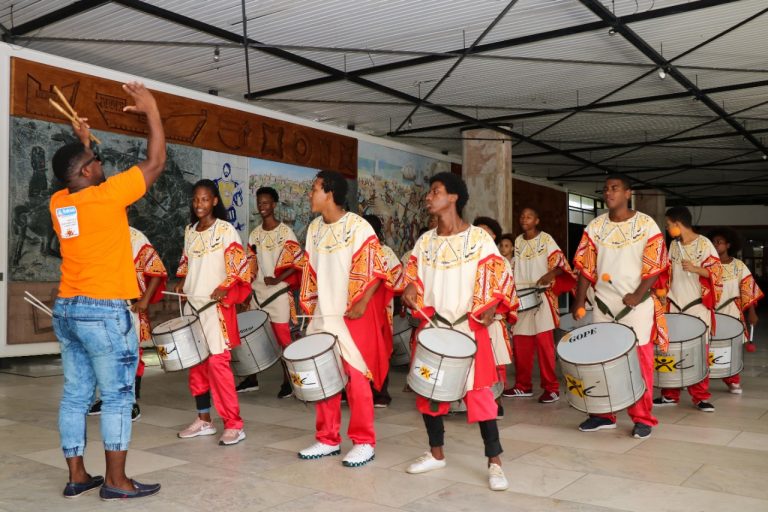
(604, 147)
(586, 108)
(685, 167)
(233, 37)
(498, 45)
(65, 12)
(719, 200)
(638, 42)
(458, 62)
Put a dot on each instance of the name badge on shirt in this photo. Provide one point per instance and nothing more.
(68, 226)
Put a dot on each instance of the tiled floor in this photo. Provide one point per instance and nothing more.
(693, 461)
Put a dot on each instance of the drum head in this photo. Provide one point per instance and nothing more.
(249, 321)
(174, 324)
(447, 342)
(727, 327)
(567, 323)
(309, 346)
(596, 343)
(684, 327)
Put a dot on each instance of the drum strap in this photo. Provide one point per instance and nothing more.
(725, 304)
(694, 302)
(439, 318)
(271, 298)
(210, 304)
(604, 309)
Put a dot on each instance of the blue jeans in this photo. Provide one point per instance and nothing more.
(99, 346)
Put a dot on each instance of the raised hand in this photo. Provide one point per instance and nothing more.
(144, 101)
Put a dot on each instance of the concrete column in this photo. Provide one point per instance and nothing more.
(651, 202)
(487, 170)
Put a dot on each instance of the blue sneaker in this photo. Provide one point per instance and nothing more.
(140, 491)
(75, 490)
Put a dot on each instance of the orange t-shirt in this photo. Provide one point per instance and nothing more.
(92, 226)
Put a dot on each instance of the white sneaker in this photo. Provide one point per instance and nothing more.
(734, 388)
(319, 450)
(231, 436)
(496, 479)
(425, 463)
(359, 455)
(197, 428)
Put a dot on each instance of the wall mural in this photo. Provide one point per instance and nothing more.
(161, 214)
(392, 185)
(230, 173)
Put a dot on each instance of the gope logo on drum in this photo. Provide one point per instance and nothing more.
(581, 335)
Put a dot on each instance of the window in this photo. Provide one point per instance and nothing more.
(582, 209)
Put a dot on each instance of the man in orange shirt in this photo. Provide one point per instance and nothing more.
(91, 318)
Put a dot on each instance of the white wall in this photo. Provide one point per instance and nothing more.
(737, 215)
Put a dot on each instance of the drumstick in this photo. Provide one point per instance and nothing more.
(44, 310)
(607, 278)
(37, 302)
(185, 295)
(429, 320)
(319, 316)
(72, 118)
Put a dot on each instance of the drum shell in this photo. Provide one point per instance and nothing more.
(726, 355)
(322, 375)
(446, 380)
(401, 341)
(181, 348)
(690, 364)
(258, 349)
(530, 298)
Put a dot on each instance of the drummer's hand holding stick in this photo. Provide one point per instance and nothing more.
(358, 308)
(410, 299)
(688, 266)
(179, 289)
(219, 294)
(641, 293)
(547, 279)
(578, 311)
(142, 304)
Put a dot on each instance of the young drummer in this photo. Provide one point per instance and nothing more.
(151, 277)
(215, 275)
(382, 398)
(343, 289)
(740, 291)
(539, 262)
(457, 277)
(507, 248)
(277, 254)
(623, 256)
(696, 284)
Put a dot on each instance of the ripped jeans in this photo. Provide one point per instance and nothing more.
(98, 347)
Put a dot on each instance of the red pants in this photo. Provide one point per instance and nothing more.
(733, 379)
(699, 391)
(481, 406)
(360, 400)
(215, 376)
(523, 347)
(140, 368)
(282, 333)
(642, 410)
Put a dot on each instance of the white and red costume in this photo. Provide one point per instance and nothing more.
(343, 261)
(628, 253)
(212, 259)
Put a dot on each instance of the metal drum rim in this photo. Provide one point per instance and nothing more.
(420, 344)
(309, 358)
(633, 346)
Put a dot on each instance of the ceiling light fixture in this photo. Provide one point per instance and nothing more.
(216, 54)
(611, 31)
(662, 73)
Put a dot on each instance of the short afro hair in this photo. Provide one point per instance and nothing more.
(453, 185)
(269, 191)
(620, 177)
(375, 223)
(508, 236)
(336, 183)
(492, 224)
(65, 158)
(730, 236)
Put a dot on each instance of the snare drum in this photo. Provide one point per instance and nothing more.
(567, 323)
(258, 349)
(530, 298)
(441, 364)
(726, 347)
(601, 367)
(180, 343)
(314, 367)
(685, 363)
(401, 341)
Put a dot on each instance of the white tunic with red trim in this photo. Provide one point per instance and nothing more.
(740, 291)
(212, 259)
(147, 263)
(688, 287)
(533, 259)
(277, 250)
(342, 259)
(627, 252)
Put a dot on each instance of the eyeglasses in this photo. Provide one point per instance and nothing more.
(95, 158)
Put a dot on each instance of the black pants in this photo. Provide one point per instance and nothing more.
(489, 430)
